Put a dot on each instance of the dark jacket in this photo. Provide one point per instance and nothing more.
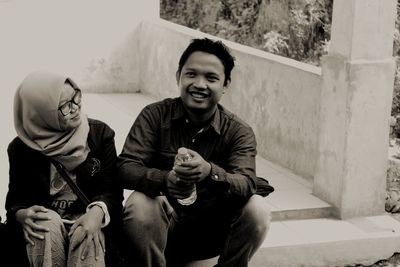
(30, 181)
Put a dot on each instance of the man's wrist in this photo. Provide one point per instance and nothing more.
(216, 173)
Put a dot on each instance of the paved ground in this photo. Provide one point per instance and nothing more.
(393, 261)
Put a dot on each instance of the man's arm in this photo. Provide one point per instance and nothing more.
(136, 154)
(239, 170)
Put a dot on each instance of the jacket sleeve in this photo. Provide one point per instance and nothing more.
(238, 172)
(13, 201)
(137, 154)
(19, 193)
(101, 180)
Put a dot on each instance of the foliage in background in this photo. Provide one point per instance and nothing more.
(396, 53)
(302, 33)
(297, 29)
(309, 31)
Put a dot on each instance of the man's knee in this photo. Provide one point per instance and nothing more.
(257, 215)
(143, 211)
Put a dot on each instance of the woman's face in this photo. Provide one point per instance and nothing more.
(69, 108)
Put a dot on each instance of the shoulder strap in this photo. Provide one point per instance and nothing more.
(61, 170)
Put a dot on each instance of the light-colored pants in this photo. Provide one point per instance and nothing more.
(155, 234)
(54, 249)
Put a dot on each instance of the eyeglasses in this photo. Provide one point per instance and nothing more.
(76, 99)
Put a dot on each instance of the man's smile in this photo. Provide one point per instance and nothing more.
(199, 95)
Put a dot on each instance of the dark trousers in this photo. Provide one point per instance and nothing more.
(157, 237)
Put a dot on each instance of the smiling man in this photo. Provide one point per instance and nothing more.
(227, 218)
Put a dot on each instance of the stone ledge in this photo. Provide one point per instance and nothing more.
(329, 242)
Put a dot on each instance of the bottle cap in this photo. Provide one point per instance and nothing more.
(182, 151)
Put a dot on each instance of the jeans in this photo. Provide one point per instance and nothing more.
(157, 237)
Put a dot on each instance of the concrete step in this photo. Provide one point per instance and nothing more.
(325, 242)
(292, 198)
(329, 242)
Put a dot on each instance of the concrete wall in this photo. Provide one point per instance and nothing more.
(278, 97)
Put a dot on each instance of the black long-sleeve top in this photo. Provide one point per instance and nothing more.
(228, 144)
(29, 173)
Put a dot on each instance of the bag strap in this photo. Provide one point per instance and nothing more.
(61, 170)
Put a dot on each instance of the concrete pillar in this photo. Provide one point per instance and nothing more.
(358, 76)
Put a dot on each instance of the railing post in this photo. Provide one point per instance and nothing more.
(358, 75)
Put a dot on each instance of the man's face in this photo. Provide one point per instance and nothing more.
(201, 82)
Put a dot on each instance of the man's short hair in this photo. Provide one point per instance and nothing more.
(213, 47)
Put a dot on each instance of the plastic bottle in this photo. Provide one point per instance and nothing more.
(182, 156)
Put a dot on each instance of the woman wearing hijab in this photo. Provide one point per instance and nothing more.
(57, 227)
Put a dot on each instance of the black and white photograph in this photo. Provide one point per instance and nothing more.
(200, 133)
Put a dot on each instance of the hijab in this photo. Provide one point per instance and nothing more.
(36, 120)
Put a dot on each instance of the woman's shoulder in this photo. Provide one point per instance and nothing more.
(16, 144)
(99, 129)
(18, 147)
(101, 136)
(95, 124)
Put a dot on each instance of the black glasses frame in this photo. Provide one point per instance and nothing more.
(76, 99)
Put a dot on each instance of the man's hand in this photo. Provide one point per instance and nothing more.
(87, 228)
(177, 188)
(194, 170)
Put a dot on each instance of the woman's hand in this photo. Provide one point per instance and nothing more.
(28, 217)
(87, 229)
